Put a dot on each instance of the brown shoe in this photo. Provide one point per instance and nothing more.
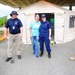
(72, 58)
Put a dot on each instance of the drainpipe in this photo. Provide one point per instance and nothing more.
(19, 8)
(70, 7)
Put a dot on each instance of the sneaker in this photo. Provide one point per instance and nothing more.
(33, 52)
(49, 55)
(8, 59)
(19, 56)
(37, 56)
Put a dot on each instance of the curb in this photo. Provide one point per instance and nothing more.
(1, 39)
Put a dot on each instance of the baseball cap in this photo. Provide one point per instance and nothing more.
(43, 16)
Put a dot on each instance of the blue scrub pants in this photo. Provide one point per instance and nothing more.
(47, 44)
(34, 41)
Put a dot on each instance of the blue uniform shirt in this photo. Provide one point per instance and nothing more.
(35, 28)
(13, 25)
(44, 29)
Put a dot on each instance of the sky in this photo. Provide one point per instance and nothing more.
(6, 10)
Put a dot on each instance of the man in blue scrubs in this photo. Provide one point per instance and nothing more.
(45, 35)
(15, 35)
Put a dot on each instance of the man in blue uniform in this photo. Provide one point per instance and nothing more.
(45, 35)
(15, 34)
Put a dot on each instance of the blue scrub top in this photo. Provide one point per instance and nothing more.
(44, 29)
(14, 25)
(35, 28)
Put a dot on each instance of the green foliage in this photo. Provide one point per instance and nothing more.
(3, 21)
(1, 33)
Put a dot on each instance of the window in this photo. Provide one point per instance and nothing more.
(72, 21)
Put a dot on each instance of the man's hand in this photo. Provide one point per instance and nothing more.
(5, 33)
(5, 36)
(20, 35)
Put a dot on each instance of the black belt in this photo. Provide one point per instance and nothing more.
(14, 33)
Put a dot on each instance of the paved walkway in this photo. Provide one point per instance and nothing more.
(59, 64)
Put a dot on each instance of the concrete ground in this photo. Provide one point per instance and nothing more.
(59, 64)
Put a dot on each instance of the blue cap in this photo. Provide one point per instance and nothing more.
(13, 12)
(43, 16)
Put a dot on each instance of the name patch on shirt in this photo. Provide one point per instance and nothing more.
(13, 27)
(16, 22)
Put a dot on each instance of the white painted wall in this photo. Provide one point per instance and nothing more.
(69, 34)
(41, 7)
(29, 19)
(22, 17)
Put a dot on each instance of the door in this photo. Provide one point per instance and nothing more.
(59, 28)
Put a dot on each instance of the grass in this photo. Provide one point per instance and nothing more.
(3, 21)
(1, 36)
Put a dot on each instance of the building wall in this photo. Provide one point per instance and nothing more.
(62, 31)
(69, 34)
(26, 20)
(22, 17)
(29, 19)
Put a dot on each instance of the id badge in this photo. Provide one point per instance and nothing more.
(13, 27)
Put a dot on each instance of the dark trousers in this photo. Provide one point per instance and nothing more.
(47, 44)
